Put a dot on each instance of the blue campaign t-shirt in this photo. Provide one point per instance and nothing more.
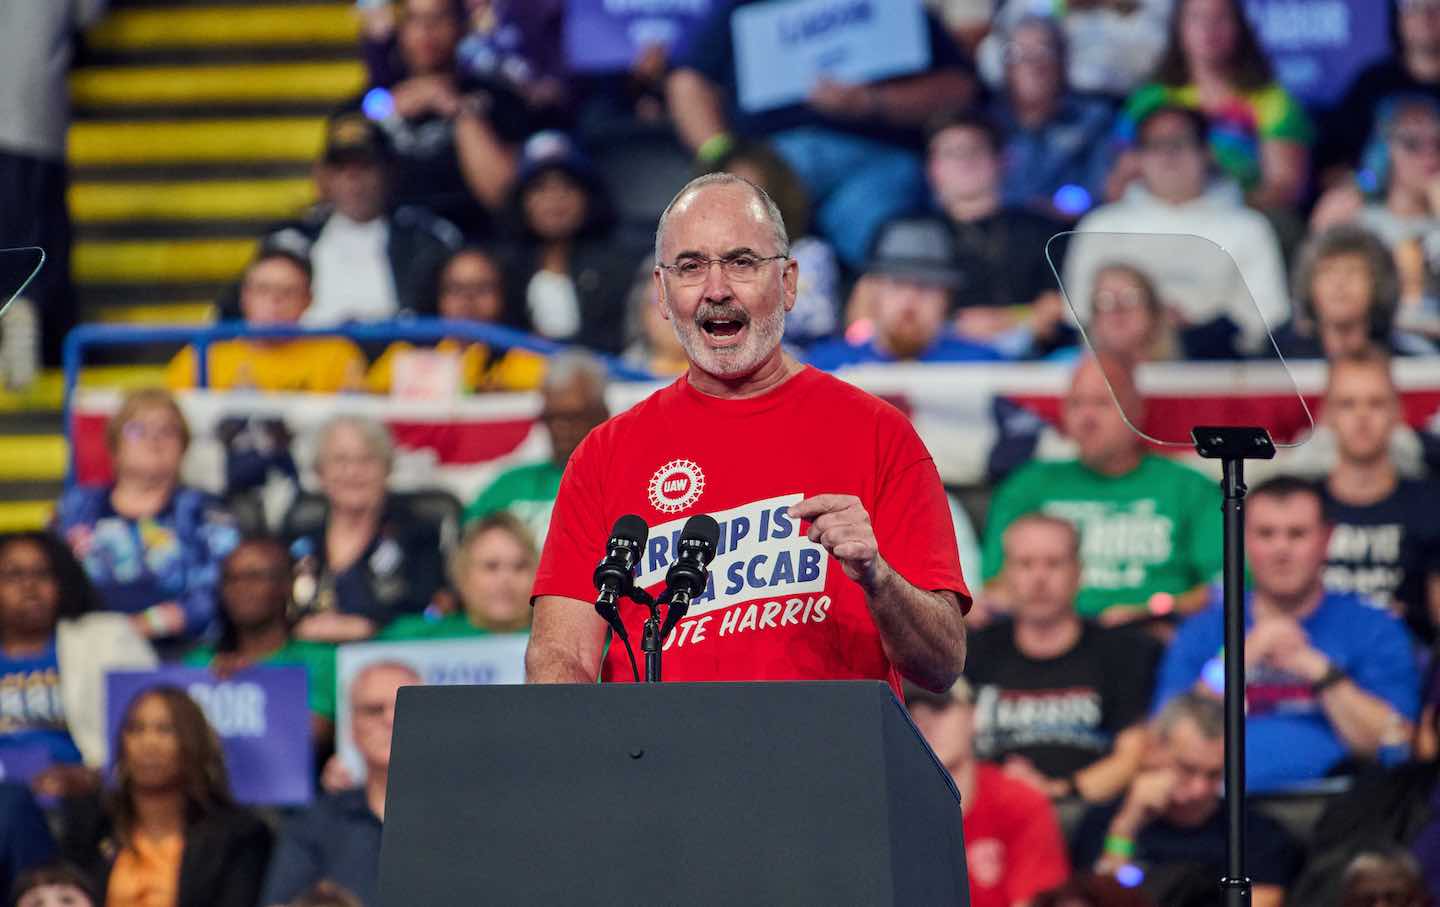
(1288, 738)
(32, 714)
(834, 354)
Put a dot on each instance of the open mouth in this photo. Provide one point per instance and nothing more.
(722, 328)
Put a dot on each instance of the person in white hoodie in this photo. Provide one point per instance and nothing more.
(56, 646)
(1178, 194)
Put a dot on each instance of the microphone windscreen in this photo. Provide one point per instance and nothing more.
(632, 528)
(702, 528)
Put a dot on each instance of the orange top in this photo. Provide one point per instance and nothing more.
(147, 873)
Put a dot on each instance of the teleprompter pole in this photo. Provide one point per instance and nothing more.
(1232, 447)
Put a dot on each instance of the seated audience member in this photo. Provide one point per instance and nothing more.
(817, 304)
(171, 835)
(1175, 195)
(1391, 879)
(1172, 817)
(1150, 527)
(1061, 699)
(152, 546)
(569, 269)
(1347, 296)
(1413, 68)
(370, 561)
(55, 885)
(1090, 890)
(908, 285)
(1402, 169)
(573, 402)
(1001, 249)
(57, 645)
(338, 836)
(255, 584)
(25, 839)
(492, 569)
(1128, 320)
(855, 146)
(275, 292)
(454, 133)
(1114, 44)
(371, 261)
(1327, 676)
(1259, 134)
(651, 342)
(1056, 142)
(1013, 846)
(1384, 538)
(471, 289)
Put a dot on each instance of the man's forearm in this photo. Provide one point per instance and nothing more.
(548, 664)
(696, 108)
(913, 101)
(923, 632)
(1359, 718)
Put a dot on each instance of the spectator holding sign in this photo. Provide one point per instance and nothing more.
(370, 560)
(57, 645)
(1259, 134)
(151, 545)
(338, 838)
(492, 569)
(171, 835)
(854, 144)
(254, 619)
(471, 289)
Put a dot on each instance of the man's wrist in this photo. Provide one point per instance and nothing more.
(1329, 677)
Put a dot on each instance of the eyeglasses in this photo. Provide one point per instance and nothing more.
(469, 287)
(257, 576)
(741, 267)
(1169, 146)
(139, 431)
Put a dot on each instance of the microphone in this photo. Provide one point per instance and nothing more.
(690, 573)
(614, 574)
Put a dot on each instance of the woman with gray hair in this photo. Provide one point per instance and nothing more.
(369, 560)
(1347, 293)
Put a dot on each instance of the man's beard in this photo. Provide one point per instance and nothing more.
(762, 337)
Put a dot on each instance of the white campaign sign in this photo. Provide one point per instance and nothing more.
(782, 48)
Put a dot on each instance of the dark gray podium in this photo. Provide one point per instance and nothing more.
(657, 794)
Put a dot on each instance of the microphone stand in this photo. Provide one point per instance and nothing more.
(1232, 447)
(650, 641)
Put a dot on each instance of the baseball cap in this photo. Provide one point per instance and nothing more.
(552, 149)
(919, 249)
(961, 692)
(352, 136)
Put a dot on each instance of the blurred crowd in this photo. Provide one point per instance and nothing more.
(1018, 198)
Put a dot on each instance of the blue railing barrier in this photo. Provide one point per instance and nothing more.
(415, 330)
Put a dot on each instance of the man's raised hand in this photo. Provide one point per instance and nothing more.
(841, 524)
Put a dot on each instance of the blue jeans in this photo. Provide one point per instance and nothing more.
(856, 184)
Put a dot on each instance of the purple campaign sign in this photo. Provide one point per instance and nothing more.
(607, 35)
(21, 763)
(261, 715)
(1319, 46)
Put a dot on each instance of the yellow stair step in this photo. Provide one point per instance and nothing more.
(227, 26)
(32, 457)
(159, 313)
(160, 261)
(257, 199)
(127, 86)
(47, 392)
(22, 516)
(270, 139)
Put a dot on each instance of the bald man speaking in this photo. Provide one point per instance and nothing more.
(837, 556)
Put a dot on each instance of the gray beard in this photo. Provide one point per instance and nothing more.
(764, 337)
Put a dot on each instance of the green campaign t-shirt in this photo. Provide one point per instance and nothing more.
(1155, 529)
(418, 626)
(317, 658)
(526, 491)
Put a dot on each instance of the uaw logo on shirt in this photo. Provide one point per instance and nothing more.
(766, 574)
(676, 486)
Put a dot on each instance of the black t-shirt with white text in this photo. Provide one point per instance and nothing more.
(1384, 551)
(1061, 713)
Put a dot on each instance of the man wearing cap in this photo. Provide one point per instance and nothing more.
(1013, 846)
(908, 283)
(837, 557)
(370, 262)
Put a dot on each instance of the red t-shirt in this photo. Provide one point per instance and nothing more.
(1013, 846)
(778, 607)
